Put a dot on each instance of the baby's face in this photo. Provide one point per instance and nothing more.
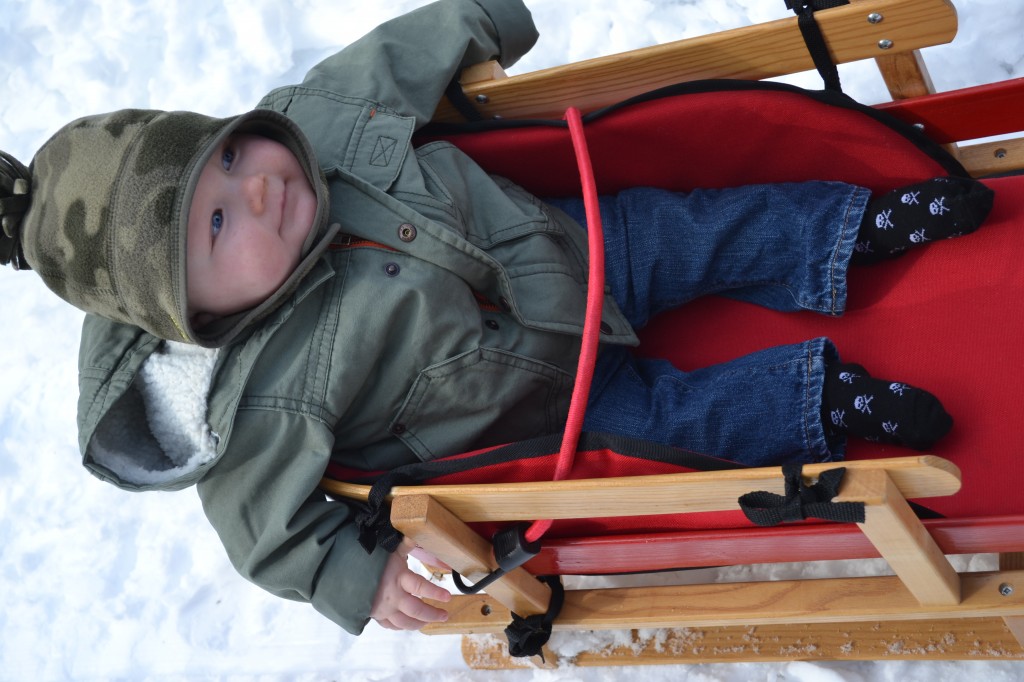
(249, 218)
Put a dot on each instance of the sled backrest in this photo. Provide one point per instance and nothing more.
(887, 30)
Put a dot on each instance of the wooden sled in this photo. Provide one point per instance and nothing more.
(927, 609)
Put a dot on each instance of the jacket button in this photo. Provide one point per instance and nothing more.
(606, 328)
(392, 269)
(491, 324)
(505, 305)
(406, 232)
(398, 429)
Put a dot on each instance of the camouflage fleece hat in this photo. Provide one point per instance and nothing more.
(102, 214)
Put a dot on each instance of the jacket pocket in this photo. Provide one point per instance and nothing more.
(481, 398)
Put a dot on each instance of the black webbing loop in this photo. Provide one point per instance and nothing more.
(815, 40)
(461, 103)
(527, 636)
(511, 550)
(802, 501)
(374, 519)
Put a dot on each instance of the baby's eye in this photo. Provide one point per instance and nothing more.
(216, 222)
(227, 157)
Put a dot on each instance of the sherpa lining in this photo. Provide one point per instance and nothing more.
(174, 383)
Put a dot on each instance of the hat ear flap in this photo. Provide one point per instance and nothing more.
(15, 181)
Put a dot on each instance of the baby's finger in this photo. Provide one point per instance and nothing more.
(420, 587)
(412, 605)
(403, 621)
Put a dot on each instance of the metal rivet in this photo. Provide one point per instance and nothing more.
(885, 44)
(1000, 153)
(1006, 589)
(505, 305)
(491, 324)
(406, 232)
(398, 429)
(606, 328)
(482, 99)
(392, 269)
(485, 610)
(875, 18)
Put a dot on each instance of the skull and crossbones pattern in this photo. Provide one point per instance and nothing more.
(938, 206)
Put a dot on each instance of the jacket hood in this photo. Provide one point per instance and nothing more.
(102, 215)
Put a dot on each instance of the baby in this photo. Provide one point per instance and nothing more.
(373, 303)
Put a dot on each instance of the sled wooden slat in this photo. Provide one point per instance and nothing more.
(954, 639)
(834, 600)
(991, 158)
(752, 53)
(905, 75)
(1013, 561)
(897, 533)
(916, 477)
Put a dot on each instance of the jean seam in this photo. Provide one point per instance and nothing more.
(807, 402)
(835, 252)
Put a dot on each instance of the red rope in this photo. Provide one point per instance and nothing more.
(592, 322)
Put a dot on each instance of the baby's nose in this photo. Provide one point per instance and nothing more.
(254, 188)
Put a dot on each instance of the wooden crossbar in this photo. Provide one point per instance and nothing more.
(752, 53)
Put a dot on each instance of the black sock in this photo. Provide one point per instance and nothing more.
(855, 403)
(919, 214)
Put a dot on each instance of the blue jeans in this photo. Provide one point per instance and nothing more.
(784, 246)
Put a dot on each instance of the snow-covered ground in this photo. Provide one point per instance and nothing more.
(97, 584)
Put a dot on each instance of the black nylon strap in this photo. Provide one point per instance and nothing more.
(461, 103)
(802, 501)
(815, 41)
(374, 519)
(527, 636)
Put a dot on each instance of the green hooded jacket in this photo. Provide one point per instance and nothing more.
(382, 354)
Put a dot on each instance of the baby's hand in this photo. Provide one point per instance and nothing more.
(398, 604)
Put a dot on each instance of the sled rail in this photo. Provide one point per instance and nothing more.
(699, 491)
(751, 53)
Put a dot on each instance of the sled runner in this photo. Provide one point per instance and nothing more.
(691, 115)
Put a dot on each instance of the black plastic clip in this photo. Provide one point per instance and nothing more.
(511, 550)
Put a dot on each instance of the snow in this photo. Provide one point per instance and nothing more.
(97, 584)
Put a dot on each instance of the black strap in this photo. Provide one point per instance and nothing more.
(511, 550)
(374, 519)
(815, 40)
(527, 636)
(802, 501)
(461, 103)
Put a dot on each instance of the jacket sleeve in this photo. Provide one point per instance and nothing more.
(280, 531)
(407, 63)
